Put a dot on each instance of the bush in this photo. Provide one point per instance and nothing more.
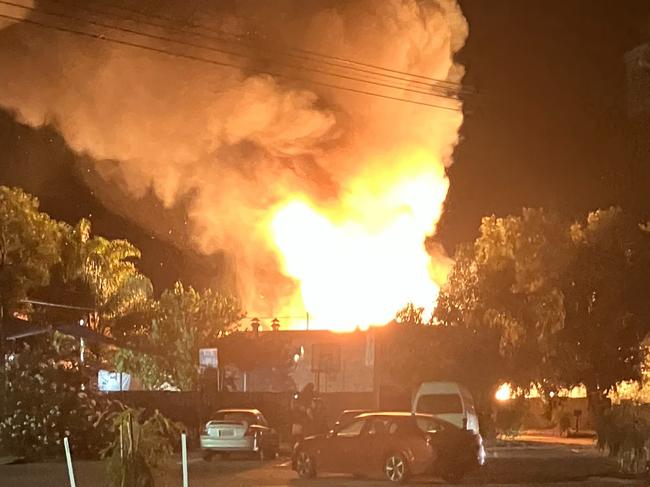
(510, 417)
(47, 400)
(625, 431)
(140, 445)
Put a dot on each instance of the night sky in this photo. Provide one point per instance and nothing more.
(549, 128)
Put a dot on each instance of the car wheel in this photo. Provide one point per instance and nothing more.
(305, 465)
(207, 456)
(396, 468)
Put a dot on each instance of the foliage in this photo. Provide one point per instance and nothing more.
(140, 445)
(29, 243)
(444, 353)
(104, 272)
(411, 315)
(184, 320)
(268, 352)
(625, 431)
(566, 300)
(48, 398)
(510, 417)
(605, 295)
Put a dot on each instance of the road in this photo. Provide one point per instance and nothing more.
(517, 466)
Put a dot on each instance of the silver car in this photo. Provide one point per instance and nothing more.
(239, 431)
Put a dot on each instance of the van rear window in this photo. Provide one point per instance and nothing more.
(439, 404)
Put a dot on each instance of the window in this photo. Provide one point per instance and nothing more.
(440, 404)
(429, 425)
(261, 420)
(378, 427)
(394, 427)
(236, 417)
(352, 429)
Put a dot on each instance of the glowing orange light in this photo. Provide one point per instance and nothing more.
(361, 261)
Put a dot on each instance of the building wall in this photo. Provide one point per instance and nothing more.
(350, 367)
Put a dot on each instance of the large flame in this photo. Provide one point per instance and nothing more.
(362, 260)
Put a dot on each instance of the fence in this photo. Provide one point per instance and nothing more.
(193, 409)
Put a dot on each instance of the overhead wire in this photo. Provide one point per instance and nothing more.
(316, 54)
(104, 38)
(220, 51)
(230, 39)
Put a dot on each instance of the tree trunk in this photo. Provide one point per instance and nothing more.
(598, 404)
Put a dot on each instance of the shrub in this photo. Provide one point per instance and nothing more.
(510, 417)
(46, 400)
(140, 445)
(625, 431)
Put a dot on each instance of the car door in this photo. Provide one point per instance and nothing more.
(341, 447)
(370, 456)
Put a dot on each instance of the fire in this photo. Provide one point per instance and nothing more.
(360, 261)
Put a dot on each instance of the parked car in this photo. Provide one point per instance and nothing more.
(239, 431)
(397, 445)
(449, 401)
(348, 415)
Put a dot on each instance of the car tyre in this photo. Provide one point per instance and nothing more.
(305, 465)
(396, 468)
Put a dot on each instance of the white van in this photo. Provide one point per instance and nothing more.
(449, 401)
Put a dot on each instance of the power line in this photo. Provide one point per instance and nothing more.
(220, 51)
(299, 50)
(192, 57)
(222, 37)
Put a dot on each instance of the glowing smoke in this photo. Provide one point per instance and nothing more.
(235, 144)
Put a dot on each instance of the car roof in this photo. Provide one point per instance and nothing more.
(390, 413)
(402, 414)
(251, 411)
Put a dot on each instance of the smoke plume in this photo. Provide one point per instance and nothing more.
(233, 143)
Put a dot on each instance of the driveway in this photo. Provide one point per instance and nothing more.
(519, 465)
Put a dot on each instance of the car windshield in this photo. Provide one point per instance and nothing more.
(346, 416)
(236, 417)
(440, 404)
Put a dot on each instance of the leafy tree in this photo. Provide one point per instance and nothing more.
(411, 314)
(29, 245)
(103, 272)
(605, 299)
(268, 352)
(184, 320)
(507, 283)
(567, 301)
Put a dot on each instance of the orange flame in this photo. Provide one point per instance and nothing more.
(359, 262)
